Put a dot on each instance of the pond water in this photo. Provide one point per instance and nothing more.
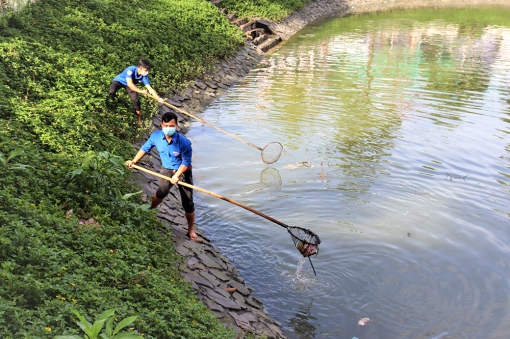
(396, 129)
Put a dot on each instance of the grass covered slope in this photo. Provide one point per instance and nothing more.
(50, 264)
(59, 57)
(61, 157)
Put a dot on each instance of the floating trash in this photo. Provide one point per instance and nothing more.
(363, 321)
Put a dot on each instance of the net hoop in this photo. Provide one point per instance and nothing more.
(306, 241)
(271, 152)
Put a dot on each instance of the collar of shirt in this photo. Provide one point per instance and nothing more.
(171, 138)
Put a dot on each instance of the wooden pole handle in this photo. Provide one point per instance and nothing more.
(205, 122)
(213, 194)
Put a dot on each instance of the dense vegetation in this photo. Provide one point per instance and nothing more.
(274, 10)
(61, 156)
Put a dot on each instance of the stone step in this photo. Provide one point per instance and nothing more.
(254, 33)
(240, 22)
(269, 43)
(260, 39)
(231, 17)
(246, 27)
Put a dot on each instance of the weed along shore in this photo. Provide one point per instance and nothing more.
(76, 232)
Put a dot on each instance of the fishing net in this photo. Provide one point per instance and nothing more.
(305, 241)
(271, 153)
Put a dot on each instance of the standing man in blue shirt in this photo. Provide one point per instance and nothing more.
(129, 78)
(175, 153)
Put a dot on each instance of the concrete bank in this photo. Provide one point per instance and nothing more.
(215, 280)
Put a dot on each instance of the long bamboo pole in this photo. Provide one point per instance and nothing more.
(214, 195)
(207, 123)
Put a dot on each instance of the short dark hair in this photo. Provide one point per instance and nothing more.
(144, 63)
(168, 116)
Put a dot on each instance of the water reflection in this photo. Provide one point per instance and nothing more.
(302, 321)
(269, 177)
(397, 136)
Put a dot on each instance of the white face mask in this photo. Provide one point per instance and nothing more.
(145, 73)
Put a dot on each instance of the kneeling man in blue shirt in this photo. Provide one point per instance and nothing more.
(129, 78)
(175, 153)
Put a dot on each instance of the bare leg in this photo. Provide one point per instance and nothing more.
(190, 217)
(155, 201)
(139, 114)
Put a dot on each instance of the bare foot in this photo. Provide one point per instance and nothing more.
(193, 236)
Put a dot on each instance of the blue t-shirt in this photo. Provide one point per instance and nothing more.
(172, 154)
(131, 72)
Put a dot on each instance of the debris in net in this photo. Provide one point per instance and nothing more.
(306, 249)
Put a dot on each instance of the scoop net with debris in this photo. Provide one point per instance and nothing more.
(306, 242)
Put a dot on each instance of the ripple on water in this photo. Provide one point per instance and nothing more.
(397, 154)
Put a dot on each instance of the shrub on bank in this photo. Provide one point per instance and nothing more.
(274, 10)
(72, 234)
(59, 57)
(71, 238)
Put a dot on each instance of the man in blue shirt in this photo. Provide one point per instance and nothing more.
(129, 78)
(175, 153)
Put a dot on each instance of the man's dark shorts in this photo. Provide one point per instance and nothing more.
(115, 86)
(186, 193)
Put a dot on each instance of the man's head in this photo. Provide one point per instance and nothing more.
(169, 123)
(144, 63)
(143, 66)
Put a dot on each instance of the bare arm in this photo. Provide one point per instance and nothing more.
(138, 156)
(153, 93)
(132, 87)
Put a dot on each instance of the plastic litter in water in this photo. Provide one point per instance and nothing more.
(363, 321)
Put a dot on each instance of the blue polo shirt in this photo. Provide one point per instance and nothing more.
(172, 154)
(131, 72)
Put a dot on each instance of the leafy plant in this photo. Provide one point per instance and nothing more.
(13, 154)
(92, 330)
(100, 171)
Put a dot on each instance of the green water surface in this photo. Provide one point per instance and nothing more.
(396, 129)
